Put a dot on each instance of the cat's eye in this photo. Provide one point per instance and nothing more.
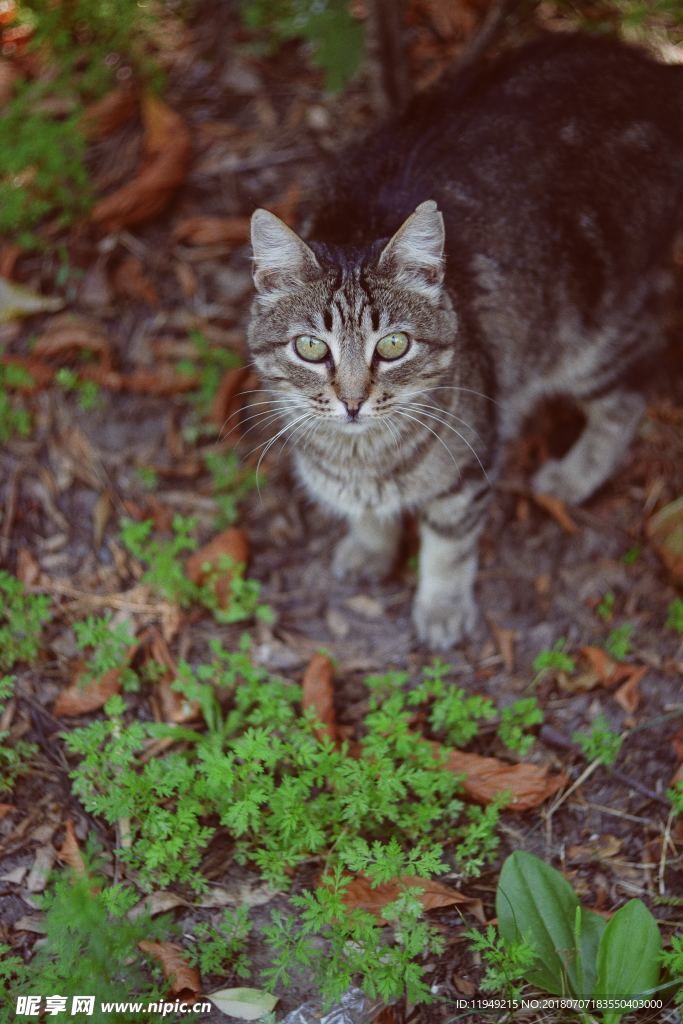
(392, 346)
(313, 350)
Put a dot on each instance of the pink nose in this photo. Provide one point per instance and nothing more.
(353, 406)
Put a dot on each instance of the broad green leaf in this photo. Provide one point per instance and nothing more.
(628, 955)
(535, 903)
(243, 1003)
(16, 301)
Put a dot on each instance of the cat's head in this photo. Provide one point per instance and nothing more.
(347, 336)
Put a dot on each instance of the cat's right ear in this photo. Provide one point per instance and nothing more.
(282, 261)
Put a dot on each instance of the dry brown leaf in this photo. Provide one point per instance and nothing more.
(603, 847)
(665, 531)
(361, 894)
(81, 700)
(184, 980)
(174, 706)
(167, 151)
(558, 510)
(206, 230)
(318, 693)
(628, 695)
(28, 570)
(70, 852)
(108, 114)
(204, 564)
(505, 642)
(229, 399)
(6, 809)
(131, 280)
(603, 670)
(487, 777)
(8, 78)
(17, 301)
(66, 334)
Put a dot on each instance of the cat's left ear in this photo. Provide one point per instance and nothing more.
(282, 261)
(414, 256)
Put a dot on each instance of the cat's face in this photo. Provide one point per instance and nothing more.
(350, 344)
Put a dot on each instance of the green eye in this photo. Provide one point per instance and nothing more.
(313, 350)
(393, 346)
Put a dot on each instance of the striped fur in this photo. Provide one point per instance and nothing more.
(523, 244)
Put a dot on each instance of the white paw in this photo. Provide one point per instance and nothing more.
(556, 479)
(353, 562)
(443, 622)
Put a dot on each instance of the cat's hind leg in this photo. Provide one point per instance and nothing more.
(611, 423)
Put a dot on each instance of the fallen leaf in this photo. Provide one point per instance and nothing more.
(244, 1003)
(17, 301)
(505, 642)
(603, 847)
(8, 78)
(167, 150)
(229, 398)
(205, 230)
(41, 868)
(558, 510)
(665, 531)
(6, 809)
(204, 565)
(70, 852)
(628, 695)
(487, 777)
(130, 280)
(159, 902)
(81, 700)
(28, 569)
(318, 693)
(361, 894)
(108, 114)
(184, 980)
(66, 334)
(174, 706)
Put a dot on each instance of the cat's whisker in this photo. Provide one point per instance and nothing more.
(401, 412)
(386, 422)
(451, 387)
(431, 415)
(271, 441)
(445, 412)
(259, 415)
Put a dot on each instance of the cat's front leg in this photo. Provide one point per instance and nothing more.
(368, 552)
(445, 610)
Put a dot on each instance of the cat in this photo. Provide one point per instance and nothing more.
(492, 246)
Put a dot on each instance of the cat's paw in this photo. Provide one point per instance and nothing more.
(444, 622)
(556, 479)
(356, 563)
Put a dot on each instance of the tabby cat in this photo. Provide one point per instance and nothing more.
(494, 245)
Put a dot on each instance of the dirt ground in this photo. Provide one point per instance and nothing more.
(260, 130)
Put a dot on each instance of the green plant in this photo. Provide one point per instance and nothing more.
(221, 948)
(575, 951)
(88, 391)
(674, 618)
(506, 962)
(21, 619)
(601, 743)
(453, 714)
(15, 759)
(231, 482)
(109, 649)
(675, 795)
(515, 720)
(91, 946)
(631, 556)
(554, 659)
(15, 420)
(672, 962)
(478, 840)
(618, 643)
(334, 36)
(355, 946)
(209, 364)
(605, 607)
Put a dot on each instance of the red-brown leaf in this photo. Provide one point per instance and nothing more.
(108, 114)
(70, 852)
(131, 280)
(228, 401)
(184, 980)
(203, 564)
(206, 230)
(487, 777)
(318, 693)
(360, 893)
(167, 151)
(665, 530)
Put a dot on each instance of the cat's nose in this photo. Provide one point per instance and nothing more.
(353, 406)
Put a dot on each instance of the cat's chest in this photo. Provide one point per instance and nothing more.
(352, 486)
